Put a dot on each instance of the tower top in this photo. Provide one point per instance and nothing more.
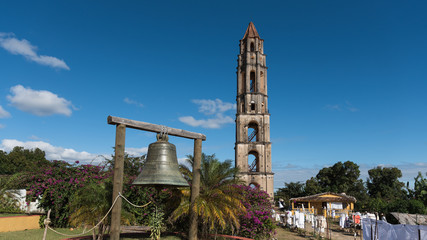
(251, 32)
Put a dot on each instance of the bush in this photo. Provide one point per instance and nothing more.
(257, 222)
(57, 183)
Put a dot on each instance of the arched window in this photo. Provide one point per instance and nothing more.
(253, 164)
(253, 132)
(254, 185)
(252, 47)
(252, 82)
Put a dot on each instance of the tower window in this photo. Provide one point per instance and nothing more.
(253, 161)
(253, 132)
(252, 82)
(252, 47)
(252, 106)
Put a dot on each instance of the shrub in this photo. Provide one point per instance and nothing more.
(257, 222)
(56, 184)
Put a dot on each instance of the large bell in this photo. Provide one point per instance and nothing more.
(161, 166)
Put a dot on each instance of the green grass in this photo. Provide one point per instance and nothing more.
(12, 214)
(38, 234)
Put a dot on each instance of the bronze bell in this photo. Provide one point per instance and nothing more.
(161, 166)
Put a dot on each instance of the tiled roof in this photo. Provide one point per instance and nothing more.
(251, 32)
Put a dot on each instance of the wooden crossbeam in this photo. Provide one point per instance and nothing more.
(154, 128)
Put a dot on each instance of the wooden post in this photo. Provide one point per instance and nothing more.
(118, 180)
(121, 125)
(195, 188)
(46, 223)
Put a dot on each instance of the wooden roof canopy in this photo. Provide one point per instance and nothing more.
(338, 197)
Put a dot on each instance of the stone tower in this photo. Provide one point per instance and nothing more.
(253, 146)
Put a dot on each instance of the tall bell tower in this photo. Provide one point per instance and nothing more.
(253, 146)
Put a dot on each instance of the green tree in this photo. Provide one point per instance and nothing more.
(384, 183)
(131, 166)
(420, 188)
(218, 205)
(341, 177)
(312, 187)
(291, 190)
(88, 206)
(21, 160)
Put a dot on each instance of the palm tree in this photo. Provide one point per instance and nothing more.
(218, 205)
(89, 205)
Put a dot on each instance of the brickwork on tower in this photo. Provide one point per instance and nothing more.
(253, 146)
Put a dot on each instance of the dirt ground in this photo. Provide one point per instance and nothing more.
(335, 234)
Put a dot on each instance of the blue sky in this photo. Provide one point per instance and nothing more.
(346, 79)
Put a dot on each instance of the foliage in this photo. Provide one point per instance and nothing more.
(256, 222)
(382, 192)
(411, 206)
(218, 205)
(8, 202)
(131, 166)
(89, 205)
(56, 184)
(341, 178)
(376, 205)
(383, 183)
(291, 190)
(312, 187)
(166, 200)
(420, 188)
(156, 224)
(20, 159)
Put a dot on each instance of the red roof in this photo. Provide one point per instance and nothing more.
(251, 32)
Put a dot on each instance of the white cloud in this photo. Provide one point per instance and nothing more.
(338, 107)
(4, 113)
(216, 122)
(133, 102)
(210, 107)
(334, 107)
(23, 47)
(184, 162)
(53, 152)
(40, 103)
(136, 151)
(350, 107)
(34, 137)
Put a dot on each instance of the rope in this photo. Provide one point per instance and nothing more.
(132, 203)
(109, 210)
